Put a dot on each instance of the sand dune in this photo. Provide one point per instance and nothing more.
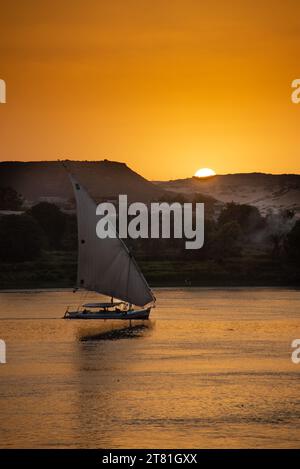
(265, 191)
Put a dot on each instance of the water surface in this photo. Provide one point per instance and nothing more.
(211, 369)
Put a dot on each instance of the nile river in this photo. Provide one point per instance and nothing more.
(211, 369)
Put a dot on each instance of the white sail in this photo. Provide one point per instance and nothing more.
(105, 265)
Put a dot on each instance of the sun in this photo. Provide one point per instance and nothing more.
(204, 173)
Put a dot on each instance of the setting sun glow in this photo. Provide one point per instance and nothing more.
(151, 71)
(204, 173)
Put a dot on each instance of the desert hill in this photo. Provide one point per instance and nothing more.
(48, 180)
(265, 191)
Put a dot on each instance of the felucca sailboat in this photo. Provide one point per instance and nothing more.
(106, 266)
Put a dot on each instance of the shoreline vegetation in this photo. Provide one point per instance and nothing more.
(242, 247)
(57, 269)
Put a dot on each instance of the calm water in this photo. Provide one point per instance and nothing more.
(213, 369)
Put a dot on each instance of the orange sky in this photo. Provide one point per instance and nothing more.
(166, 86)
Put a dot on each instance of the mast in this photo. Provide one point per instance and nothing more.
(105, 265)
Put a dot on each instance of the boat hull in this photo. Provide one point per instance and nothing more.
(141, 314)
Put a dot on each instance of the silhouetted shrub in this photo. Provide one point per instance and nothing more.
(51, 220)
(21, 238)
(10, 199)
(227, 240)
(247, 216)
(293, 242)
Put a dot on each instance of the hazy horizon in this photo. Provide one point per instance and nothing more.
(141, 174)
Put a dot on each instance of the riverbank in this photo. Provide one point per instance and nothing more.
(57, 269)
